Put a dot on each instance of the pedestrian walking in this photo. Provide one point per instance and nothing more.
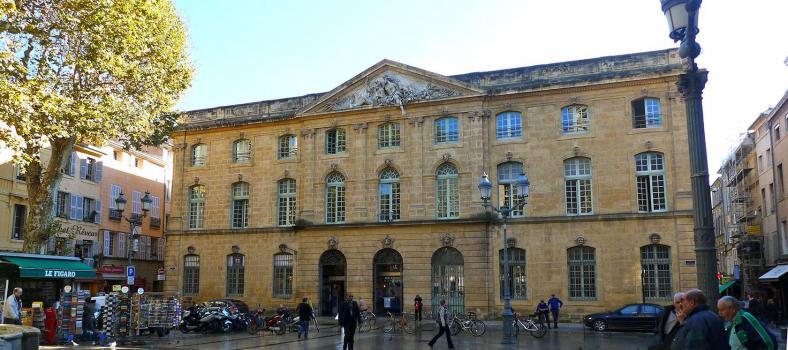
(443, 325)
(701, 329)
(770, 313)
(349, 318)
(417, 305)
(12, 309)
(555, 305)
(745, 332)
(668, 324)
(543, 312)
(304, 311)
(89, 320)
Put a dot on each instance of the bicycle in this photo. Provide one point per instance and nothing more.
(399, 321)
(535, 329)
(469, 324)
(368, 321)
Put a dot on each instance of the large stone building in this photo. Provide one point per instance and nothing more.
(371, 189)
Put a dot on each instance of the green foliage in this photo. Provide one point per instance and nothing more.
(87, 71)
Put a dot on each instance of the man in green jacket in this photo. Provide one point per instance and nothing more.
(745, 332)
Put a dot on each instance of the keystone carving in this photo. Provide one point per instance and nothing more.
(447, 239)
(580, 240)
(332, 242)
(655, 238)
(387, 241)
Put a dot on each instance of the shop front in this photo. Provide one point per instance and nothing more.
(42, 277)
(774, 284)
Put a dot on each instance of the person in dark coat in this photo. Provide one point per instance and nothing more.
(543, 311)
(89, 319)
(417, 306)
(349, 319)
(304, 312)
(744, 331)
(668, 324)
(701, 329)
(555, 305)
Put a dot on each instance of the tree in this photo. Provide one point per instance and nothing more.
(84, 72)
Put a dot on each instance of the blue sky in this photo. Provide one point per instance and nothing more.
(250, 50)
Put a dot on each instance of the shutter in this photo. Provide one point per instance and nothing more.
(51, 244)
(73, 207)
(83, 168)
(99, 170)
(161, 249)
(54, 202)
(115, 193)
(106, 243)
(94, 248)
(72, 168)
(97, 218)
(80, 208)
(121, 244)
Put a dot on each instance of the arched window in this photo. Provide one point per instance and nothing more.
(447, 192)
(646, 113)
(507, 189)
(242, 151)
(199, 154)
(191, 274)
(389, 195)
(335, 141)
(655, 264)
(196, 207)
(335, 198)
(235, 275)
(577, 186)
(447, 130)
(574, 119)
(286, 202)
(283, 275)
(508, 125)
(388, 135)
(650, 180)
(288, 147)
(448, 279)
(517, 273)
(240, 210)
(582, 272)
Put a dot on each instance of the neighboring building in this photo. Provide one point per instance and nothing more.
(371, 188)
(133, 173)
(13, 203)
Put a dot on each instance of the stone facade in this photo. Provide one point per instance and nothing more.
(391, 92)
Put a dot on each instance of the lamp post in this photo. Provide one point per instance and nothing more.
(682, 16)
(134, 220)
(523, 187)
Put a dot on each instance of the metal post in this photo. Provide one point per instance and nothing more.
(643, 284)
(508, 336)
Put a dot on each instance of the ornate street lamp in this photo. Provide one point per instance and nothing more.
(134, 220)
(682, 16)
(523, 189)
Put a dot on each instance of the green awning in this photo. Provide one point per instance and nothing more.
(43, 267)
(725, 286)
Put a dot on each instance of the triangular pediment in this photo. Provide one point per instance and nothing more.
(389, 83)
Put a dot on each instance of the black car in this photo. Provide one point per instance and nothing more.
(642, 317)
(240, 305)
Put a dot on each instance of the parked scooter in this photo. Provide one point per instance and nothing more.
(255, 320)
(190, 321)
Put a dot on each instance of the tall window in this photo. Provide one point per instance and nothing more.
(655, 261)
(335, 141)
(577, 185)
(235, 275)
(20, 173)
(388, 135)
(650, 178)
(242, 151)
(199, 154)
(507, 186)
(447, 192)
(288, 146)
(389, 195)
(240, 205)
(335, 198)
(447, 130)
(574, 119)
(646, 113)
(283, 275)
(191, 274)
(508, 125)
(286, 202)
(517, 273)
(582, 272)
(20, 216)
(63, 204)
(197, 206)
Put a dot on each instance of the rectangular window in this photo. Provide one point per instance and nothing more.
(650, 182)
(389, 199)
(191, 274)
(655, 264)
(777, 132)
(574, 119)
(91, 169)
(155, 208)
(646, 113)
(20, 217)
(116, 154)
(112, 244)
(448, 198)
(286, 202)
(388, 135)
(20, 173)
(447, 130)
(763, 200)
(288, 147)
(780, 183)
(760, 163)
(88, 206)
(335, 141)
(582, 273)
(63, 205)
(235, 275)
(283, 275)
(773, 202)
(517, 273)
(335, 204)
(70, 166)
(136, 202)
(508, 125)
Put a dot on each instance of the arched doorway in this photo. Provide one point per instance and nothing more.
(333, 271)
(387, 281)
(447, 279)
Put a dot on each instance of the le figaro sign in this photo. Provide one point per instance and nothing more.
(60, 273)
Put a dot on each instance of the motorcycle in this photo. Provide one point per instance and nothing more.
(275, 324)
(237, 320)
(214, 319)
(255, 320)
(190, 321)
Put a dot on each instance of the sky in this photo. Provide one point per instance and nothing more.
(253, 50)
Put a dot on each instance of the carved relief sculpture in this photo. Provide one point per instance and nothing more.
(391, 90)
